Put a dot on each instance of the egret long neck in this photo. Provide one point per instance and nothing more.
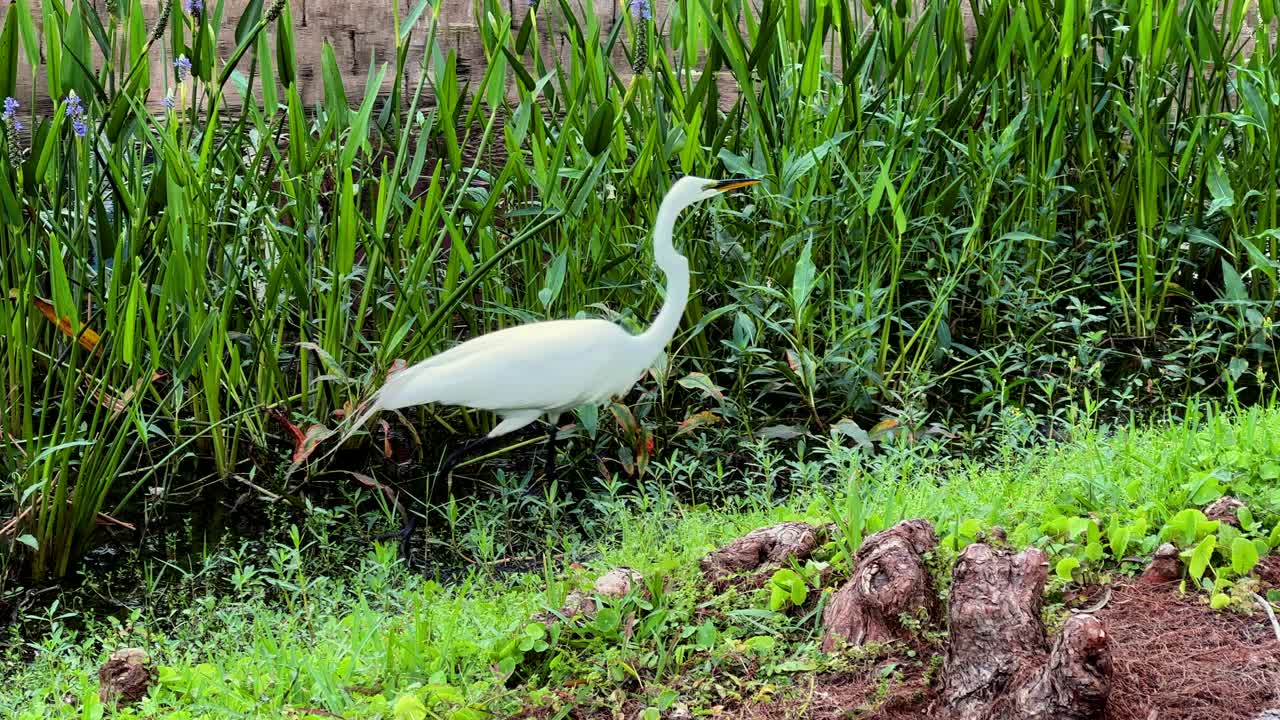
(676, 268)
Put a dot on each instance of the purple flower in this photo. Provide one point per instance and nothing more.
(640, 9)
(183, 66)
(168, 103)
(194, 7)
(75, 111)
(74, 108)
(10, 115)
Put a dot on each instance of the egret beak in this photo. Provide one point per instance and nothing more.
(734, 184)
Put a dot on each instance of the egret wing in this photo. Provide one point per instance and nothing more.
(546, 365)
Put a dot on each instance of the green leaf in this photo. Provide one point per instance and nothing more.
(1202, 556)
(811, 72)
(699, 381)
(1245, 516)
(1118, 536)
(555, 280)
(409, 707)
(805, 278)
(1067, 566)
(1205, 489)
(707, 635)
(1232, 286)
(1219, 189)
(1244, 556)
(29, 541)
(252, 14)
(600, 129)
(1183, 526)
(799, 591)
(1219, 601)
(9, 52)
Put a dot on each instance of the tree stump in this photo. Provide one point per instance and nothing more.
(763, 549)
(998, 661)
(126, 677)
(889, 580)
(1224, 510)
(1165, 567)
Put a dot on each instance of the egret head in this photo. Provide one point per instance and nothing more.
(689, 189)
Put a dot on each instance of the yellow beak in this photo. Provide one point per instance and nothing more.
(734, 184)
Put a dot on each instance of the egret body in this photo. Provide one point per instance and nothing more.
(545, 369)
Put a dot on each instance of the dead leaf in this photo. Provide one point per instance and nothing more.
(883, 427)
(386, 438)
(315, 435)
(294, 431)
(697, 420)
(87, 339)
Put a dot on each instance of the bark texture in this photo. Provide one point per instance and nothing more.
(760, 550)
(125, 678)
(998, 661)
(1224, 510)
(889, 580)
(1165, 567)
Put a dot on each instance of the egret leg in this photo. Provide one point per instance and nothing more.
(450, 461)
(550, 467)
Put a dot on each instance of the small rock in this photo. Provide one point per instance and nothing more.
(1273, 714)
(614, 584)
(1224, 509)
(1165, 567)
(618, 582)
(126, 677)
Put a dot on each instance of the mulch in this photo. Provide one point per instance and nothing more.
(1174, 658)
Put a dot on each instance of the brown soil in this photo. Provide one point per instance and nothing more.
(1176, 659)
(1173, 658)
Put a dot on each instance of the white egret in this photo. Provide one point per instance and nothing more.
(548, 368)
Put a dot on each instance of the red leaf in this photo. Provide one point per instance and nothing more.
(316, 434)
(294, 432)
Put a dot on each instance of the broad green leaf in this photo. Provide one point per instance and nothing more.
(1202, 556)
(1066, 567)
(600, 129)
(409, 707)
(804, 279)
(555, 280)
(700, 381)
(1220, 189)
(1244, 556)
